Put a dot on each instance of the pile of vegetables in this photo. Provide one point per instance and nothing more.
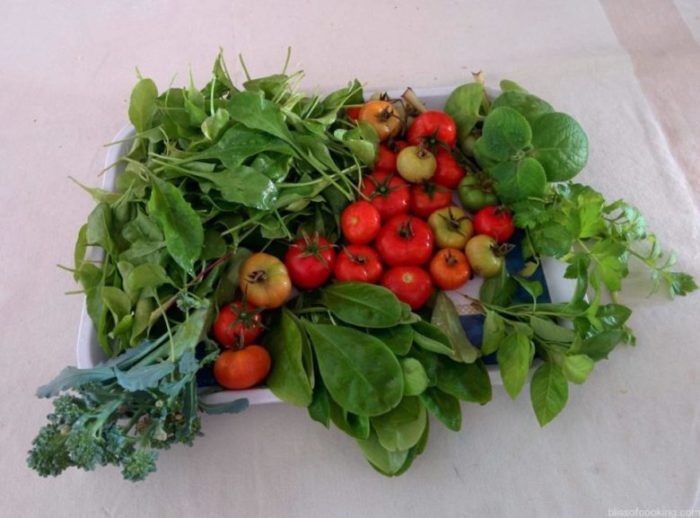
(261, 235)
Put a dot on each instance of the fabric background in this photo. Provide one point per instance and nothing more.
(628, 70)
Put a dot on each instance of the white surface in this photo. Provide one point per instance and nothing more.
(629, 438)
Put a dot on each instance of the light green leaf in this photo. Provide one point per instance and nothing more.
(560, 145)
(549, 392)
(446, 318)
(402, 427)
(415, 380)
(443, 406)
(142, 104)
(494, 332)
(519, 180)
(514, 358)
(505, 132)
(362, 304)
(577, 367)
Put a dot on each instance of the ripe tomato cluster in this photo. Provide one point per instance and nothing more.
(405, 233)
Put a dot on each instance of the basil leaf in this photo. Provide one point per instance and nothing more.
(560, 145)
(288, 379)
(398, 338)
(443, 406)
(362, 304)
(549, 392)
(402, 427)
(514, 357)
(359, 371)
(445, 318)
(184, 235)
(498, 290)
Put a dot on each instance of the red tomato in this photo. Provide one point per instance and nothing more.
(426, 198)
(449, 269)
(387, 192)
(405, 240)
(310, 261)
(386, 159)
(448, 172)
(494, 221)
(358, 263)
(360, 222)
(398, 145)
(237, 325)
(242, 369)
(353, 112)
(433, 126)
(410, 284)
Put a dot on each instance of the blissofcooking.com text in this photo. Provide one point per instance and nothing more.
(666, 513)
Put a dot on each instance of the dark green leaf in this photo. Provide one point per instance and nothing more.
(386, 462)
(443, 406)
(402, 427)
(398, 338)
(446, 318)
(431, 338)
(505, 132)
(255, 112)
(599, 345)
(319, 409)
(468, 382)
(354, 425)
(143, 377)
(498, 290)
(560, 145)
(362, 304)
(519, 180)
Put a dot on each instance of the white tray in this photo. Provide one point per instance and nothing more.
(89, 353)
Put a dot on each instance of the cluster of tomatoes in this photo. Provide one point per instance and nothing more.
(406, 234)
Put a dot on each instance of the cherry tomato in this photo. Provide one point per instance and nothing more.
(448, 172)
(451, 226)
(243, 368)
(358, 263)
(433, 126)
(353, 112)
(415, 164)
(475, 192)
(405, 240)
(264, 280)
(398, 145)
(360, 222)
(484, 256)
(494, 221)
(237, 324)
(386, 159)
(310, 261)
(410, 284)
(426, 198)
(387, 192)
(449, 269)
(382, 116)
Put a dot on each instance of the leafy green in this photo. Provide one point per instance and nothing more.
(446, 318)
(514, 358)
(443, 406)
(362, 304)
(549, 391)
(402, 427)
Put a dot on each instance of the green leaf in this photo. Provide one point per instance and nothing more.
(215, 124)
(362, 304)
(255, 112)
(610, 259)
(184, 235)
(79, 251)
(446, 318)
(145, 276)
(431, 338)
(529, 106)
(680, 283)
(468, 382)
(560, 145)
(385, 461)
(142, 319)
(519, 180)
(73, 378)
(142, 377)
(142, 104)
(229, 280)
(319, 409)
(443, 406)
(230, 407)
(402, 427)
(288, 379)
(549, 392)
(239, 143)
(550, 331)
(464, 106)
(498, 290)
(494, 332)
(117, 301)
(577, 367)
(505, 132)
(599, 345)
(214, 245)
(142, 228)
(354, 425)
(190, 333)
(99, 228)
(415, 380)
(508, 85)
(514, 358)
(398, 338)
(552, 239)
(359, 371)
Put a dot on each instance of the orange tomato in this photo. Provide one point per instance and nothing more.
(382, 116)
(265, 281)
(243, 368)
(450, 269)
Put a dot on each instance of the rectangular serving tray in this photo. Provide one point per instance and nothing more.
(557, 288)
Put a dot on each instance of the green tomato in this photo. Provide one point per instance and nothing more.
(451, 226)
(416, 164)
(481, 252)
(474, 195)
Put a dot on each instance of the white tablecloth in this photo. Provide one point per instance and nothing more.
(629, 70)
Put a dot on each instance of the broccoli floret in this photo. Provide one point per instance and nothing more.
(139, 464)
(67, 410)
(49, 456)
(84, 448)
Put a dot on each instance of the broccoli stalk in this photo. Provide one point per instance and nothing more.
(123, 411)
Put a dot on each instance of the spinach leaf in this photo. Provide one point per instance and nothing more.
(443, 406)
(549, 392)
(288, 379)
(432, 338)
(398, 338)
(402, 427)
(239, 143)
(560, 145)
(415, 379)
(356, 426)
(142, 105)
(99, 228)
(362, 304)
(184, 235)
(244, 185)
(386, 462)
(255, 112)
(359, 371)
(320, 407)
(468, 382)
